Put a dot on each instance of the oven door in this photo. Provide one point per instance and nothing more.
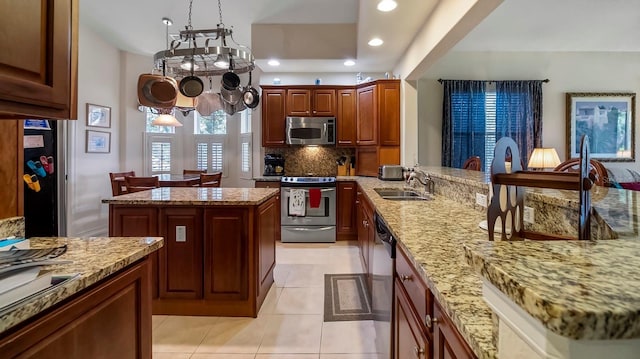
(324, 215)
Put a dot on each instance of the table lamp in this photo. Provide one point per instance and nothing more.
(544, 158)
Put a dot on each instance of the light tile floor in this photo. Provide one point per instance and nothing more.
(290, 323)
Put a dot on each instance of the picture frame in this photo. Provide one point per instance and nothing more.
(608, 118)
(98, 115)
(98, 142)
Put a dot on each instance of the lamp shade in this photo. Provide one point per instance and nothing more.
(166, 118)
(544, 158)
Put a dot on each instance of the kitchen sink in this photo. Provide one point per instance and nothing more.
(401, 194)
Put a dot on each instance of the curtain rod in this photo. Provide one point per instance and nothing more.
(441, 80)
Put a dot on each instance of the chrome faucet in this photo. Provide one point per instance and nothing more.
(424, 179)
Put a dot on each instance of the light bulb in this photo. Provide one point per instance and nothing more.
(349, 63)
(273, 62)
(387, 5)
(186, 64)
(375, 42)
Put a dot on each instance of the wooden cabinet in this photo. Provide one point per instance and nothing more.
(366, 227)
(447, 342)
(111, 319)
(346, 118)
(305, 102)
(11, 169)
(410, 341)
(346, 228)
(268, 233)
(367, 116)
(274, 117)
(378, 126)
(226, 254)
(138, 222)
(267, 184)
(39, 59)
(388, 113)
(217, 260)
(180, 263)
(420, 326)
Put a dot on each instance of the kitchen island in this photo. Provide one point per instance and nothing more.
(219, 251)
(106, 301)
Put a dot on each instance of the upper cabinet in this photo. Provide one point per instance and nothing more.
(367, 116)
(389, 113)
(39, 59)
(273, 117)
(346, 118)
(311, 102)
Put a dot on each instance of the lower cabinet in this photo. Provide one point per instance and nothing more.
(448, 344)
(346, 225)
(365, 228)
(267, 184)
(421, 328)
(410, 341)
(111, 319)
(216, 260)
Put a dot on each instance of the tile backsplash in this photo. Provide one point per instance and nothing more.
(311, 161)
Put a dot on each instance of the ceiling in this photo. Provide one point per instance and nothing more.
(552, 25)
(516, 25)
(136, 26)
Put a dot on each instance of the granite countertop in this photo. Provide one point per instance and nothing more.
(267, 178)
(93, 259)
(433, 234)
(197, 196)
(580, 290)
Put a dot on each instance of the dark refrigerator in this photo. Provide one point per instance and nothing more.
(41, 208)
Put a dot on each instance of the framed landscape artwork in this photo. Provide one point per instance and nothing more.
(609, 121)
(98, 142)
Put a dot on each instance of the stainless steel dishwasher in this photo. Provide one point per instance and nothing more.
(382, 271)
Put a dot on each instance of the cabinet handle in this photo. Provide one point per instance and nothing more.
(405, 277)
(418, 351)
(428, 321)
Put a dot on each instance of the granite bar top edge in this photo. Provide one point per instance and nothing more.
(597, 316)
(196, 196)
(88, 275)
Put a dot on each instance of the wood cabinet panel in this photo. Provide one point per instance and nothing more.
(367, 117)
(416, 290)
(11, 169)
(346, 228)
(346, 118)
(226, 251)
(268, 220)
(298, 102)
(367, 161)
(109, 320)
(180, 263)
(267, 184)
(409, 340)
(324, 102)
(389, 113)
(38, 64)
(448, 344)
(273, 117)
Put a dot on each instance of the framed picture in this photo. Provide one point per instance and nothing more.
(98, 116)
(98, 142)
(609, 121)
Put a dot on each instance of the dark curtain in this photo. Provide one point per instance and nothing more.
(519, 114)
(463, 121)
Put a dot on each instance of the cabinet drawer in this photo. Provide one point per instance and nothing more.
(413, 285)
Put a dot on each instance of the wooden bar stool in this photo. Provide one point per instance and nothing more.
(138, 184)
(117, 182)
(210, 180)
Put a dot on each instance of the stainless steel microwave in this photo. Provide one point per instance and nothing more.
(311, 130)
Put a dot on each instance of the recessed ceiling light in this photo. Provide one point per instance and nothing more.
(387, 5)
(349, 63)
(375, 42)
(274, 63)
(167, 21)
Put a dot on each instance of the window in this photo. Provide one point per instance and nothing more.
(214, 124)
(210, 150)
(159, 150)
(478, 113)
(245, 144)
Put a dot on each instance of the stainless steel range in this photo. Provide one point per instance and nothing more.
(308, 209)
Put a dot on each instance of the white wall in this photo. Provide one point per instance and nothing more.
(88, 180)
(567, 72)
